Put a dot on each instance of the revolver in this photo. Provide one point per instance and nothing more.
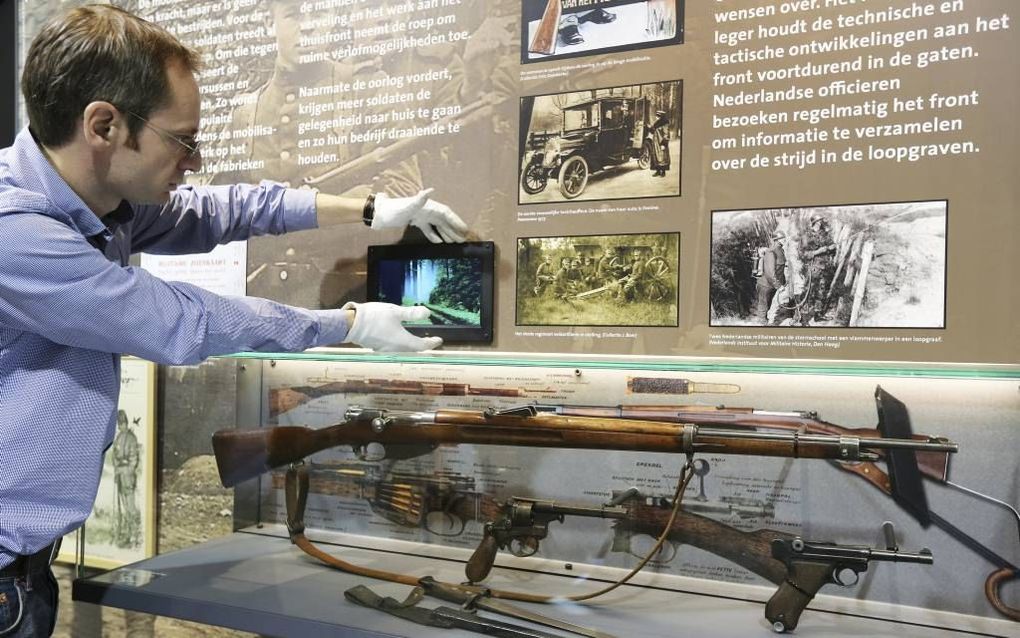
(520, 527)
(810, 565)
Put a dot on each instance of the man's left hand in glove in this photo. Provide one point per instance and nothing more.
(380, 211)
(435, 220)
(377, 326)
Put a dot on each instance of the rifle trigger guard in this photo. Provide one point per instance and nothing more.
(845, 577)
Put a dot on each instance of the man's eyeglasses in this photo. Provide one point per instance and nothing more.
(191, 145)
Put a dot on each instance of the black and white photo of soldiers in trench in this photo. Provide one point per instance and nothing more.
(599, 280)
(854, 266)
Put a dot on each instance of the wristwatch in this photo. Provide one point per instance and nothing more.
(368, 212)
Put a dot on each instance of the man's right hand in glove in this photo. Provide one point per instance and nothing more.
(377, 326)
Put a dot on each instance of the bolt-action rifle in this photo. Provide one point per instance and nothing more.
(245, 454)
(932, 463)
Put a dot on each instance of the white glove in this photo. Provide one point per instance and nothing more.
(436, 220)
(377, 327)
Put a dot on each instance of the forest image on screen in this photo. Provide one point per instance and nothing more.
(450, 288)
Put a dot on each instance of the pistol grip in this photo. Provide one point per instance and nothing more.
(480, 563)
(803, 580)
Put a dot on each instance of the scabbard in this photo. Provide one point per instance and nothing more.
(666, 385)
(442, 617)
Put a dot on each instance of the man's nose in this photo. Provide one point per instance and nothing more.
(192, 162)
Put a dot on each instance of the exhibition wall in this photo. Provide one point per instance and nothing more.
(877, 139)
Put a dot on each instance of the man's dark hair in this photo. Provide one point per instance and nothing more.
(98, 53)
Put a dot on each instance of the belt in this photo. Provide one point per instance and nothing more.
(31, 563)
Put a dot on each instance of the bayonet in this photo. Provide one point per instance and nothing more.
(444, 617)
(475, 598)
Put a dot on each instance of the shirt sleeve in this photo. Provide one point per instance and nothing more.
(53, 283)
(198, 218)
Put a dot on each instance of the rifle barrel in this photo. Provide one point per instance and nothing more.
(931, 445)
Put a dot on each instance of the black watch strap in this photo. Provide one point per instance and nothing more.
(368, 212)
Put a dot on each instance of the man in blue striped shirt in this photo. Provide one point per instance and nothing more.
(113, 107)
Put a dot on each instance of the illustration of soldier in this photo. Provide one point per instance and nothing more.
(588, 273)
(632, 288)
(658, 134)
(819, 251)
(126, 454)
(770, 277)
(544, 275)
(608, 269)
(479, 74)
(313, 272)
(482, 75)
(564, 283)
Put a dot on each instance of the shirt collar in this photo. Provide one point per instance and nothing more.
(34, 172)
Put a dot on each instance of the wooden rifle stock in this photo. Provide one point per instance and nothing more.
(934, 465)
(750, 550)
(244, 454)
(548, 30)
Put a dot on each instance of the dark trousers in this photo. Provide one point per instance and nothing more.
(28, 604)
(765, 292)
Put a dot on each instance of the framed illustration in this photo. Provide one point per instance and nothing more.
(122, 526)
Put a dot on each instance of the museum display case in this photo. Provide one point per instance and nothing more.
(424, 510)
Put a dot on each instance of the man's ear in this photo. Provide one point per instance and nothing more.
(101, 124)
